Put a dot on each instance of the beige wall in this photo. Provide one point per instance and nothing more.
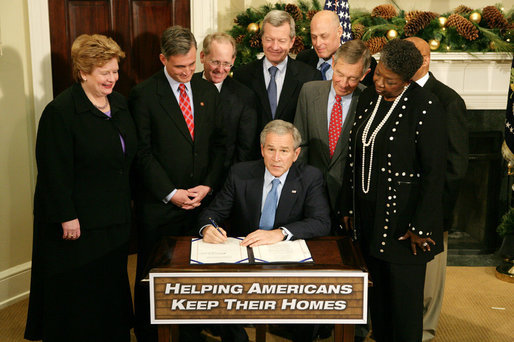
(16, 152)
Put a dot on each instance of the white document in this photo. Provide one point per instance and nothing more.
(230, 252)
(283, 251)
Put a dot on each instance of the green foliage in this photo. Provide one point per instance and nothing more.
(507, 224)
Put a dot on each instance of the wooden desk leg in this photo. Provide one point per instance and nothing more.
(260, 332)
(344, 332)
(163, 332)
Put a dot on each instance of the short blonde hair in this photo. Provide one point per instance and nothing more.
(219, 37)
(281, 127)
(91, 51)
(278, 18)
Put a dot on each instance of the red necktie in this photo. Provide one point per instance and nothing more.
(336, 122)
(185, 107)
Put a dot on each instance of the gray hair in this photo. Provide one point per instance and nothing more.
(177, 40)
(281, 127)
(278, 18)
(218, 37)
(353, 52)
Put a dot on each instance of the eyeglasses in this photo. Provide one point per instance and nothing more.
(216, 64)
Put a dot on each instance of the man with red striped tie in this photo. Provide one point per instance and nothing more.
(180, 155)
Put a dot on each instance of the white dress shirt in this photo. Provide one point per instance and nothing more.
(279, 76)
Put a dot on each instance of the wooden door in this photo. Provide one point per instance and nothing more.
(136, 25)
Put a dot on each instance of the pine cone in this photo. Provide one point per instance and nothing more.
(384, 11)
(298, 45)
(255, 41)
(358, 31)
(463, 10)
(376, 44)
(411, 15)
(240, 38)
(295, 12)
(418, 23)
(311, 14)
(464, 27)
(494, 18)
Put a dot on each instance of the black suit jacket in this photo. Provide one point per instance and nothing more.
(239, 120)
(167, 157)
(311, 58)
(302, 209)
(458, 143)
(297, 73)
(82, 170)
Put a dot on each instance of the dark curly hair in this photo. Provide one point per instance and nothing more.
(401, 57)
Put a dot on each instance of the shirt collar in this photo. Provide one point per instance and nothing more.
(332, 94)
(174, 84)
(218, 85)
(329, 61)
(281, 66)
(423, 80)
(268, 177)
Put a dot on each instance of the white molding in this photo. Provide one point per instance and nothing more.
(40, 54)
(204, 20)
(14, 284)
(471, 56)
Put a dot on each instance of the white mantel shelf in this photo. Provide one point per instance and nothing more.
(481, 78)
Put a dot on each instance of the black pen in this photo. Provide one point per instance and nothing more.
(215, 225)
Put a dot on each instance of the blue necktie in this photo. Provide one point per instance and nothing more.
(270, 207)
(323, 68)
(272, 91)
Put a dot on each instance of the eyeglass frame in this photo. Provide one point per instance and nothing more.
(224, 65)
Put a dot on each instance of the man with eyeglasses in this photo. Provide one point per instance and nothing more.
(276, 79)
(237, 101)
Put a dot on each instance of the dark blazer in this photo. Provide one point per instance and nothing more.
(297, 73)
(458, 143)
(310, 57)
(239, 119)
(302, 208)
(167, 157)
(311, 120)
(82, 170)
(409, 163)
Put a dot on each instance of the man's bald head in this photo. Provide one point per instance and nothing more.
(424, 49)
(326, 33)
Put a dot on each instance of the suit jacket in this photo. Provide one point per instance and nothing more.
(311, 121)
(82, 170)
(310, 57)
(302, 207)
(297, 73)
(458, 143)
(239, 119)
(167, 157)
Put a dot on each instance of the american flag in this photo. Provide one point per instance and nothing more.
(342, 8)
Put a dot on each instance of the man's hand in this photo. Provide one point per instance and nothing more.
(263, 237)
(71, 229)
(416, 240)
(211, 235)
(198, 193)
(181, 199)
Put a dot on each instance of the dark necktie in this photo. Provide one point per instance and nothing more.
(323, 68)
(270, 207)
(272, 91)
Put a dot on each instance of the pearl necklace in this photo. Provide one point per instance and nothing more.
(371, 141)
(104, 106)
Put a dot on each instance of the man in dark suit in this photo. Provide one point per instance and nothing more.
(276, 79)
(180, 154)
(326, 34)
(325, 113)
(238, 102)
(456, 166)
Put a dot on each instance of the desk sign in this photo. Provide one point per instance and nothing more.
(336, 297)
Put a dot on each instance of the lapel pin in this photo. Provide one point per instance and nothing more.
(201, 104)
(293, 191)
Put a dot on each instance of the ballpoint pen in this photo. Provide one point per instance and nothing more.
(215, 225)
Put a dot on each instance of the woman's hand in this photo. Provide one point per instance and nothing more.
(71, 230)
(415, 240)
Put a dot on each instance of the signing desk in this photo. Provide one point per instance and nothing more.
(331, 290)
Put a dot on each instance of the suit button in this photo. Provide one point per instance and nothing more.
(191, 175)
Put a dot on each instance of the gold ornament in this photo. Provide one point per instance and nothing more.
(252, 28)
(475, 17)
(442, 21)
(434, 44)
(392, 34)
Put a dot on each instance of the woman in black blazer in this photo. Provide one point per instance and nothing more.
(85, 145)
(397, 159)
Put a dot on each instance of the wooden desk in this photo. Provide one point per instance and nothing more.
(329, 254)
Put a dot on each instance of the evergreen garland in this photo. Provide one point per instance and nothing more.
(489, 39)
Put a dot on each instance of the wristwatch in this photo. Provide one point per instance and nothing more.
(284, 233)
